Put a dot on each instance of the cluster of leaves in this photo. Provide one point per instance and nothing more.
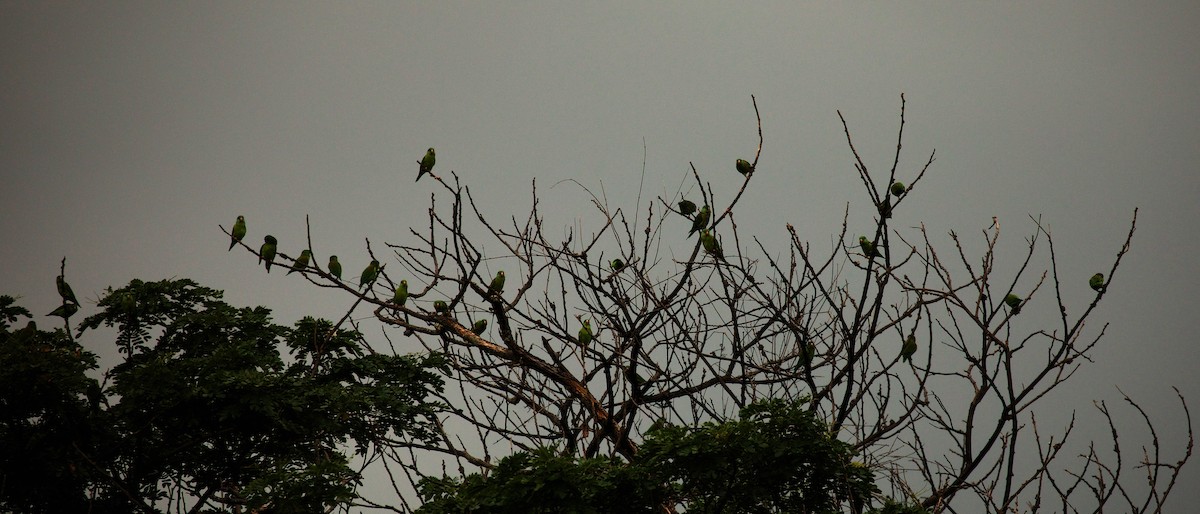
(204, 409)
(777, 457)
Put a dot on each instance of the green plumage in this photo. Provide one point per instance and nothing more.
(64, 290)
(868, 247)
(238, 232)
(744, 167)
(335, 267)
(301, 262)
(401, 293)
(909, 348)
(686, 207)
(617, 264)
(1097, 282)
(497, 285)
(701, 220)
(267, 251)
(898, 188)
(427, 163)
(66, 310)
(585, 333)
(1014, 302)
(710, 244)
(479, 326)
(441, 307)
(368, 275)
(810, 351)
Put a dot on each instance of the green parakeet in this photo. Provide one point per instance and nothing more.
(64, 290)
(616, 264)
(1014, 302)
(401, 293)
(868, 247)
(585, 333)
(441, 306)
(497, 285)
(898, 188)
(368, 275)
(909, 348)
(701, 221)
(66, 310)
(479, 327)
(238, 232)
(267, 251)
(744, 167)
(885, 207)
(427, 163)
(301, 262)
(810, 351)
(335, 267)
(686, 207)
(710, 243)
(1097, 282)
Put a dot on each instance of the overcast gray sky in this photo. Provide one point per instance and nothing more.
(130, 130)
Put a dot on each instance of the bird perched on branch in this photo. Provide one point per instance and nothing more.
(1097, 282)
(427, 163)
(301, 262)
(267, 251)
(497, 285)
(744, 167)
(686, 207)
(868, 247)
(368, 275)
(335, 267)
(700, 222)
(909, 348)
(238, 232)
(1014, 302)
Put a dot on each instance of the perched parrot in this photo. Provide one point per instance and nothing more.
(64, 290)
(710, 243)
(810, 351)
(66, 310)
(335, 267)
(701, 221)
(427, 163)
(497, 285)
(301, 262)
(1014, 302)
(868, 247)
(479, 326)
(885, 207)
(1097, 282)
(744, 167)
(585, 333)
(909, 348)
(898, 188)
(239, 231)
(267, 251)
(686, 207)
(616, 264)
(401, 293)
(368, 275)
(441, 306)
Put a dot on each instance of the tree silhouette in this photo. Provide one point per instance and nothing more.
(687, 331)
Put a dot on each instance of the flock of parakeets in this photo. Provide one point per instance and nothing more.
(700, 223)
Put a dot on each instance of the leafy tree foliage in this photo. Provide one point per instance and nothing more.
(204, 414)
(777, 457)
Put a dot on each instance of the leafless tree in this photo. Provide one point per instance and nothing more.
(692, 337)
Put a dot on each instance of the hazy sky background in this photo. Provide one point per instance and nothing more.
(130, 130)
